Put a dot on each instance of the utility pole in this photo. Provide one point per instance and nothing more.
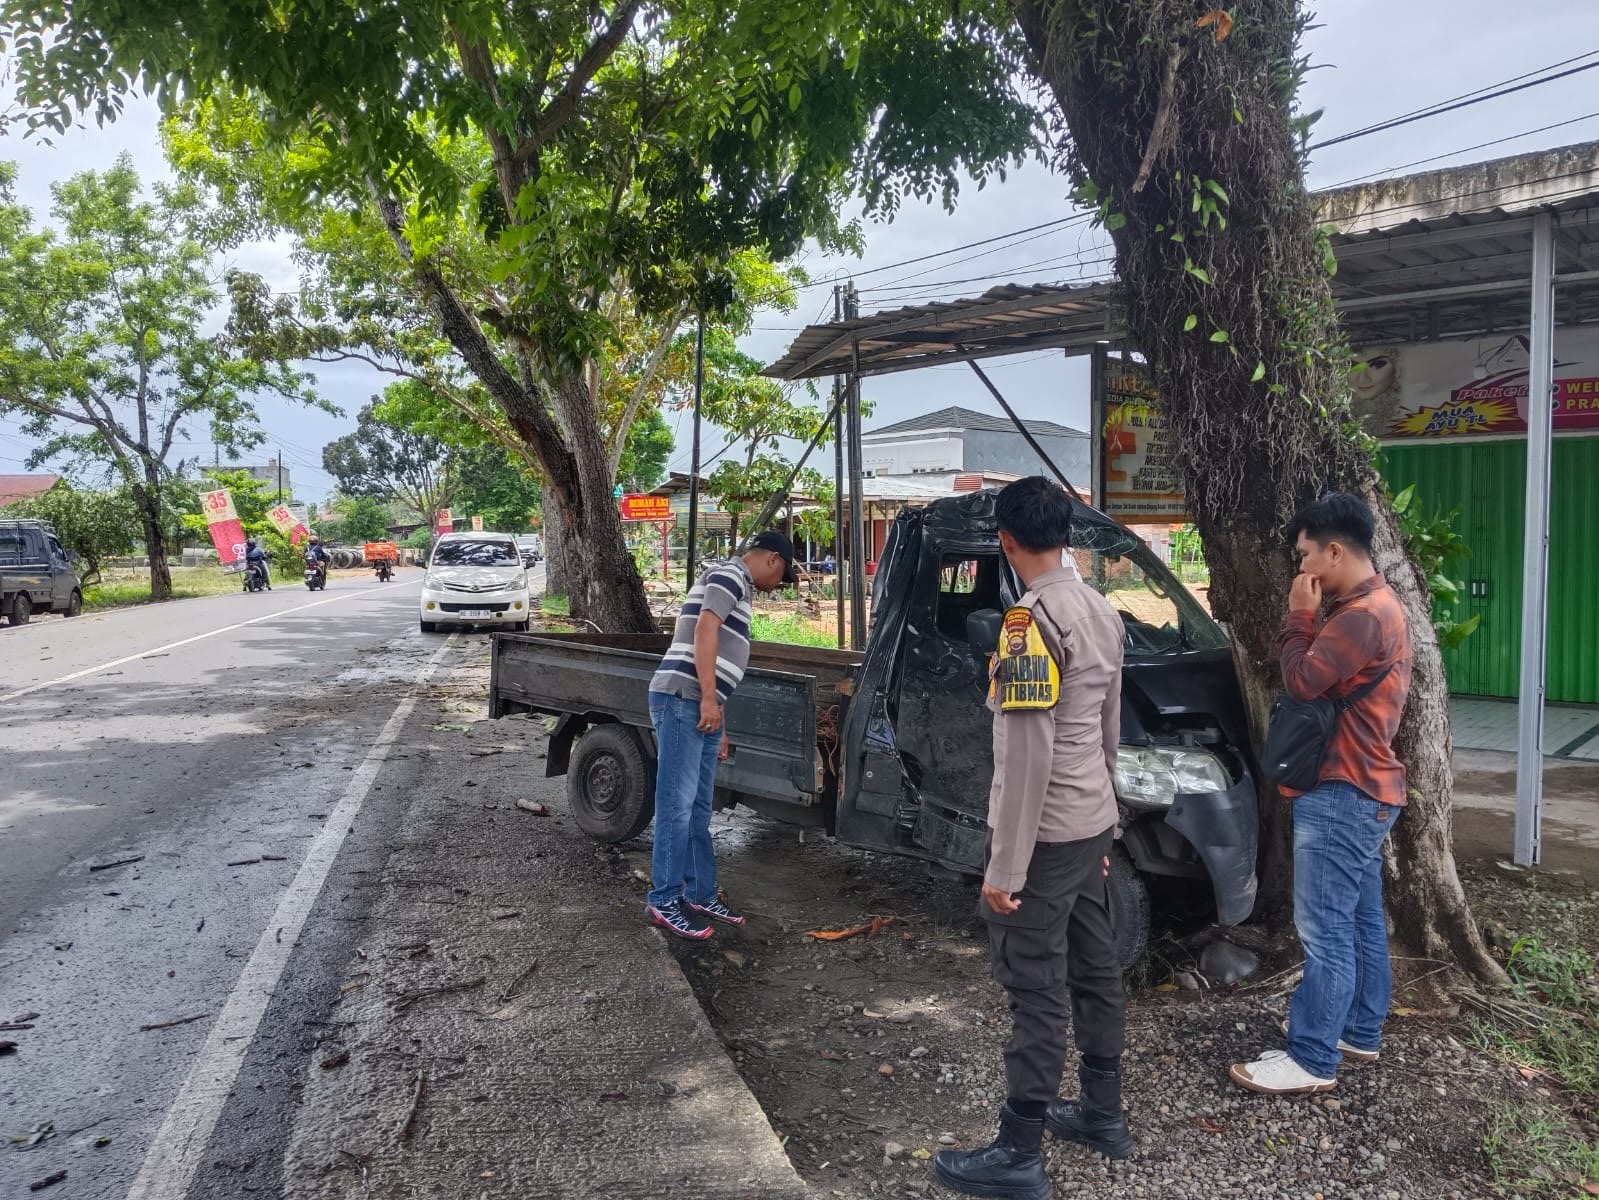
(857, 526)
(280, 473)
(838, 482)
(694, 459)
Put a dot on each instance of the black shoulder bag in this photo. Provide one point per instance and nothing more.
(1298, 731)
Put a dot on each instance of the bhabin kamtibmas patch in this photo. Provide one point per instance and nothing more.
(1026, 676)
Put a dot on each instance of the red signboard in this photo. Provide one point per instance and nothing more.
(646, 508)
(445, 524)
(227, 535)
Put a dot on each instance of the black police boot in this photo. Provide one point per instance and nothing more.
(1095, 1118)
(1010, 1169)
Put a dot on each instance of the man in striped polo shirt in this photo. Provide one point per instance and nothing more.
(709, 651)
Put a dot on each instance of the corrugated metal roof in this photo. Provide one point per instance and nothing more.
(1440, 254)
(958, 419)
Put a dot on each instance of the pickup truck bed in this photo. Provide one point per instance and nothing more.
(782, 724)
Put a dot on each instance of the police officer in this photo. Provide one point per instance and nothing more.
(1055, 689)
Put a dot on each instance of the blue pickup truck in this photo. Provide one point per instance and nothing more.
(890, 750)
(36, 573)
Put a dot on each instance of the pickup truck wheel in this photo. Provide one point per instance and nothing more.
(1129, 908)
(75, 605)
(610, 784)
(21, 608)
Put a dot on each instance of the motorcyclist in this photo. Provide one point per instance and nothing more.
(255, 559)
(316, 554)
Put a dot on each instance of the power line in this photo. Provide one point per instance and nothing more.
(1386, 171)
(1464, 101)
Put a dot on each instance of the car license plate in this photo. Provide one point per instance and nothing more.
(476, 614)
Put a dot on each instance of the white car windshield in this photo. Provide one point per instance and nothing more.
(475, 554)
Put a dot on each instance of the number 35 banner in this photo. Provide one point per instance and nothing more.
(289, 525)
(227, 535)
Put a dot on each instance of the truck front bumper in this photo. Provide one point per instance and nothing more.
(1223, 828)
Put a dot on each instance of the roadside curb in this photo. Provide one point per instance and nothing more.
(511, 1026)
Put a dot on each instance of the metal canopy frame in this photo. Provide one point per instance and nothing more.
(1491, 247)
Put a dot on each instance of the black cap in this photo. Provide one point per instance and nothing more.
(779, 544)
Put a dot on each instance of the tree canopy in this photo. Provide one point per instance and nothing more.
(110, 346)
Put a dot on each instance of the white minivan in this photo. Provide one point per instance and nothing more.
(475, 579)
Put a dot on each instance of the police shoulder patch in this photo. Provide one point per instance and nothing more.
(1027, 675)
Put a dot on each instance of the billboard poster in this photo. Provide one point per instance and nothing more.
(477, 524)
(446, 524)
(287, 523)
(1438, 391)
(227, 534)
(1141, 482)
(644, 507)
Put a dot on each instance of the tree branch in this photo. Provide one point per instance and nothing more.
(564, 107)
(1160, 132)
(618, 439)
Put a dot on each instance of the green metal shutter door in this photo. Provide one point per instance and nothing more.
(1487, 481)
(1573, 673)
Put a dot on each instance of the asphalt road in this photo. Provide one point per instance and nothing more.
(213, 741)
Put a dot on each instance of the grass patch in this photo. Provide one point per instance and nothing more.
(187, 583)
(1548, 1028)
(1534, 1150)
(790, 630)
(556, 606)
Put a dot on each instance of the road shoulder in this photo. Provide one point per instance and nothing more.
(509, 1026)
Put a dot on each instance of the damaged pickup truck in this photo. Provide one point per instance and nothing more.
(890, 750)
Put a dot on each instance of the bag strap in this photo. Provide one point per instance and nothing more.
(1364, 690)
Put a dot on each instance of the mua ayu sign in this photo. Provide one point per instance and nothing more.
(1471, 389)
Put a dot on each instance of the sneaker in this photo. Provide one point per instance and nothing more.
(1276, 1074)
(673, 919)
(717, 911)
(1353, 1053)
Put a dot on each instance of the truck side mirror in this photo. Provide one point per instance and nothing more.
(982, 630)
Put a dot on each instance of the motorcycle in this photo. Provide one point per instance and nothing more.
(385, 569)
(255, 575)
(316, 574)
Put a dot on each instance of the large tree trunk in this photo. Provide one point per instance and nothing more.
(1174, 124)
(147, 498)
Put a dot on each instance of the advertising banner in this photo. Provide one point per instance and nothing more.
(446, 524)
(640, 507)
(477, 524)
(1141, 483)
(1478, 388)
(286, 523)
(227, 535)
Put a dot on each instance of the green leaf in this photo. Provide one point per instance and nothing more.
(1192, 320)
(1219, 336)
(794, 97)
(1115, 221)
(756, 124)
(1086, 192)
(1260, 373)
(1216, 189)
(1402, 501)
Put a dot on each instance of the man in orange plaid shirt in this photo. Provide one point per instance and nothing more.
(1340, 825)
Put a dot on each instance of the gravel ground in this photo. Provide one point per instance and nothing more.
(869, 1054)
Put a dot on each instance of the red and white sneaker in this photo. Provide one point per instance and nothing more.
(717, 911)
(674, 920)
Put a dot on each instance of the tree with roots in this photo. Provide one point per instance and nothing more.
(1181, 126)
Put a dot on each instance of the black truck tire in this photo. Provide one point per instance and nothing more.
(21, 608)
(1129, 908)
(75, 604)
(610, 784)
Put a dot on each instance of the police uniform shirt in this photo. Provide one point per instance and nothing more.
(1055, 690)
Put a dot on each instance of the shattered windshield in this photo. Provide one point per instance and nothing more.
(1160, 615)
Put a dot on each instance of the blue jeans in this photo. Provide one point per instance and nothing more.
(1338, 837)
(683, 862)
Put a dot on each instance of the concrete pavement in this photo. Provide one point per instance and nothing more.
(286, 790)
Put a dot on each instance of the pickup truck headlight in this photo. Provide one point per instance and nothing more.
(1153, 776)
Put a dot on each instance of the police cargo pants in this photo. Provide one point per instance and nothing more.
(1056, 957)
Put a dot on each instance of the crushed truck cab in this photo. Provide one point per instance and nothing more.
(891, 750)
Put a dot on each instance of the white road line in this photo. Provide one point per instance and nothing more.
(199, 637)
(170, 1163)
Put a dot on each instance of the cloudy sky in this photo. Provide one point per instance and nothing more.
(1377, 59)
